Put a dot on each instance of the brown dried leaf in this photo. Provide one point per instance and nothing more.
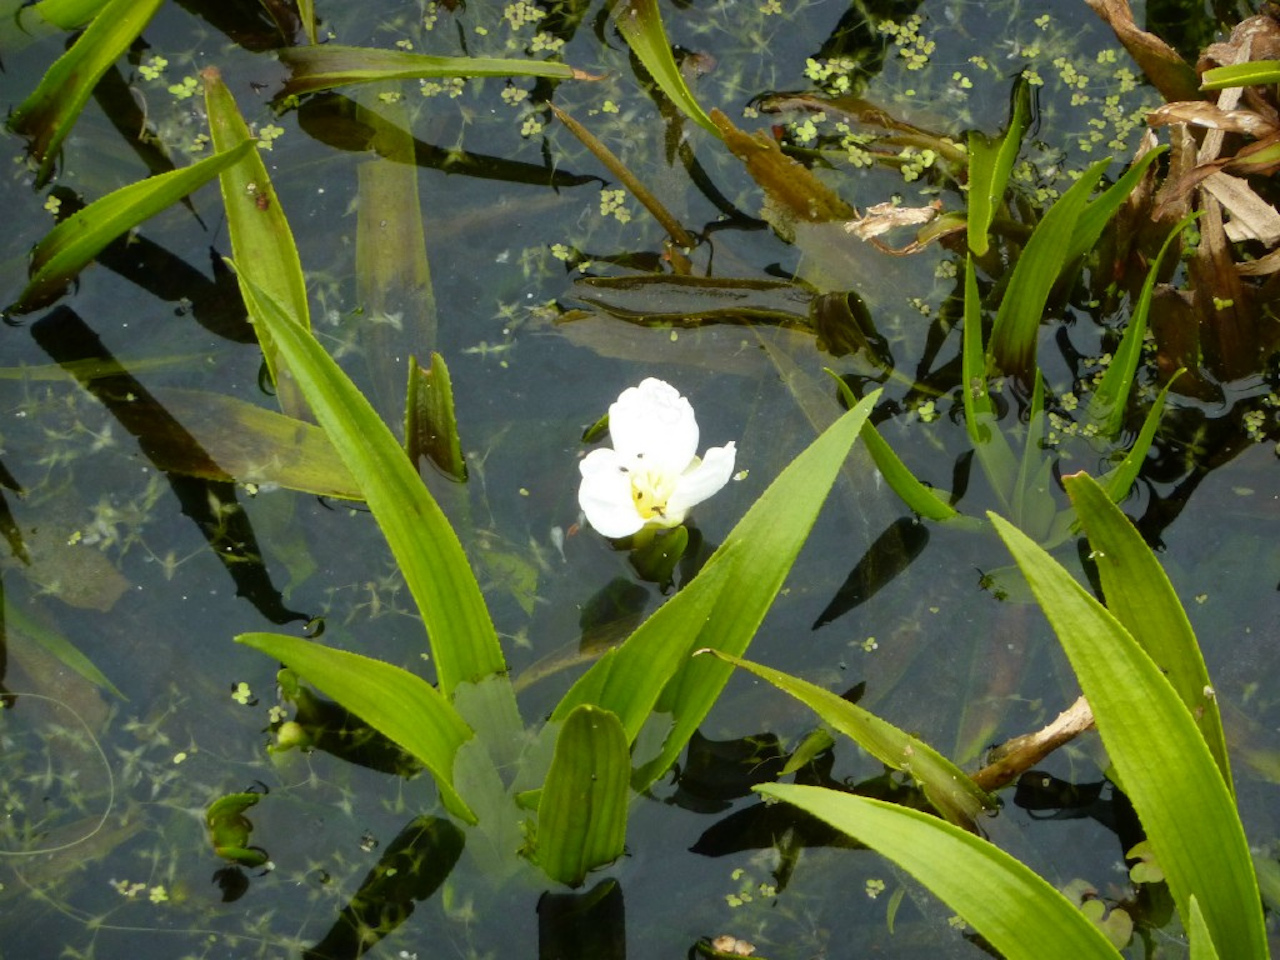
(1252, 218)
(1168, 72)
(1201, 113)
(883, 217)
(1262, 267)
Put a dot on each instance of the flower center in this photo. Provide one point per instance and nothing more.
(650, 491)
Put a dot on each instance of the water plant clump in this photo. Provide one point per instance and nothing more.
(940, 267)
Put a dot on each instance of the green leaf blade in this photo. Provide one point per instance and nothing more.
(400, 706)
(948, 787)
(49, 113)
(464, 644)
(1140, 596)
(71, 246)
(1020, 914)
(990, 163)
(582, 812)
(1159, 754)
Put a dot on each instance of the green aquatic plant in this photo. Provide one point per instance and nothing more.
(1142, 674)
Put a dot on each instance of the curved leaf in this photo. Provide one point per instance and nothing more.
(582, 813)
(1019, 914)
(402, 707)
(464, 644)
(70, 246)
(1167, 770)
(948, 787)
(1140, 596)
(48, 115)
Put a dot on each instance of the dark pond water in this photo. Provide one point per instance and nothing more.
(149, 574)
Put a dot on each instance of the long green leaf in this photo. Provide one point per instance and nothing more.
(640, 23)
(759, 552)
(582, 813)
(990, 163)
(992, 449)
(70, 246)
(1016, 911)
(1254, 73)
(1119, 480)
(1103, 207)
(333, 65)
(901, 480)
(464, 644)
(48, 115)
(1140, 596)
(402, 707)
(261, 242)
(721, 608)
(947, 787)
(1167, 770)
(1017, 325)
(1107, 405)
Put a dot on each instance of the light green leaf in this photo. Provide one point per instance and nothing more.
(1119, 480)
(1017, 912)
(992, 449)
(47, 116)
(1253, 73)
(402, 707)
(1158, 753)
(1107, 405)
(1140, 596)
(946, 786)
(1198, 933)
(990, 163)
(464, 645)
(582, 813)
(1017, 325)
(333, 65)
(640, 23)
(1103, 207)
(70, 246)
(262, 244)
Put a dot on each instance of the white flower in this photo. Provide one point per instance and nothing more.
(653, 474)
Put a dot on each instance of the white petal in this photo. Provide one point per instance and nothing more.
(605, 494)
(701, 481)
(653, 423)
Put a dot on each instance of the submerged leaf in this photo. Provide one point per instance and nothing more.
(333, 65)
(794, 193)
